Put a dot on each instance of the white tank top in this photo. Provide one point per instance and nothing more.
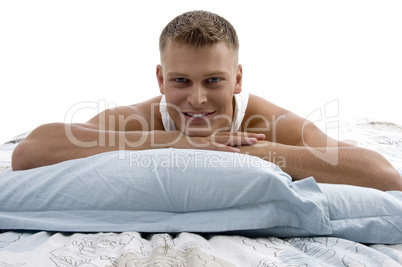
(241, 101)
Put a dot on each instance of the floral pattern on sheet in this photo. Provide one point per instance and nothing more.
(130, 249)
(87, 248)
(165, 253)
(187, 249)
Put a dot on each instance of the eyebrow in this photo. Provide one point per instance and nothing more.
(216, 73)
(177, 74)
(209, 74)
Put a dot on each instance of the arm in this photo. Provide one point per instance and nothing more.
(337, 165)
(52, 143)
(303, 150)
(124, 128)
(56, 142)
(119, 128)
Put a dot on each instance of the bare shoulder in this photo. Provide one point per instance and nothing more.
(143, 116)
(278, 124)
(258, 105)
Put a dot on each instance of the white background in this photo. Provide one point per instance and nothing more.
(298, 54)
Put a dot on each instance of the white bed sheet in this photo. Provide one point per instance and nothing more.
(133, 249)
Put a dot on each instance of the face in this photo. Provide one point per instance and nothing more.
(199, 84)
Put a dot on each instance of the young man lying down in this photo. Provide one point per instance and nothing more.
(204, 106)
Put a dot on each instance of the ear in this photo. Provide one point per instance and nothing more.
(159, 76)
(239, 79)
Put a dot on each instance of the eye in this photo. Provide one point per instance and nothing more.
(180, 80)
(213, 80)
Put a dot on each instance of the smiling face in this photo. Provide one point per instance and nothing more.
(199, 84)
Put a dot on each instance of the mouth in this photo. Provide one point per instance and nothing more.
(198, 114)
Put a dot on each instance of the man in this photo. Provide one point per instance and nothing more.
(204, 106)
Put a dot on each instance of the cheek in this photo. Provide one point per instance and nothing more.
(225, 100)
(174, 96)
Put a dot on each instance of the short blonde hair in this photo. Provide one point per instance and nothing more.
(199, 28)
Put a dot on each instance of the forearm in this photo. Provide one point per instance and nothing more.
(337, 165)
(56, 142)
(344, 165)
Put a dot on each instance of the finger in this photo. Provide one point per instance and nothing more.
(224, 148)
(229, 149)
(234, 140)
(258, 136)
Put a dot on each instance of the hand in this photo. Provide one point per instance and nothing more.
(221, 141)
(260, 148)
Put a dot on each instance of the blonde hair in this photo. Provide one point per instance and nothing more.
(199, 28)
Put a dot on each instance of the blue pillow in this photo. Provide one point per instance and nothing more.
(162, 190)
(364, 215)
(175, 190)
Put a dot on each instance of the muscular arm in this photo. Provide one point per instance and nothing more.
(336, 165)
(56, 142)
(51, 143)
(303, 150)
(125, 128)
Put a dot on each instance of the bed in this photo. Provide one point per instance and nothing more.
(171, 207)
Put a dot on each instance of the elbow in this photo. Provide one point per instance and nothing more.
(30, 152)
(396, 181)
(40, 147)
(383, 175)
(23, 157)
(19, 159)
(391, 179)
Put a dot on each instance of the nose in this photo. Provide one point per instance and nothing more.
(197, 96)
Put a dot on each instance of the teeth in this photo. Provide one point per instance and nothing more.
(196, 115)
